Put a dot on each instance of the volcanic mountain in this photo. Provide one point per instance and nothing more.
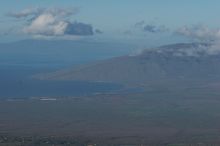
(176, 62)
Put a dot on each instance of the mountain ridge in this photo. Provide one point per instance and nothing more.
(165, 63)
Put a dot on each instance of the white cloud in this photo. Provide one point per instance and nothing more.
(52, 22)
(204, 34)
(46, 24)
(151, 28)
(25, 12)
(200, 32)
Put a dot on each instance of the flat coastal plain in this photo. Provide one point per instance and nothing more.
(151, 117)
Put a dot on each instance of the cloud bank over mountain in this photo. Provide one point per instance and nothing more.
(200, 32)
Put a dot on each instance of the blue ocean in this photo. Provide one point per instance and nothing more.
(16, 83)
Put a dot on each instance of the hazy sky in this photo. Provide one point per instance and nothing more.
(115, 19)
